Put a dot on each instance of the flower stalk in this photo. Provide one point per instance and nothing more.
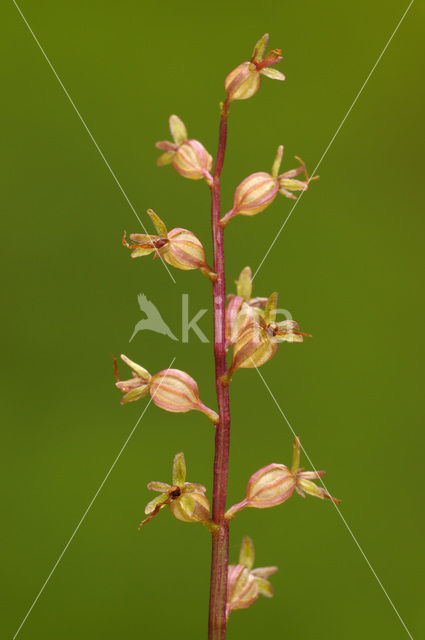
(248, 327)
(220, 537)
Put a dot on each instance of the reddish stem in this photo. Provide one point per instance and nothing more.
(220, 537)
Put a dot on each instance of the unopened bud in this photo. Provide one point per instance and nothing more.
(175, 391)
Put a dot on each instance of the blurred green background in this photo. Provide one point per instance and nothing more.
(348, 265)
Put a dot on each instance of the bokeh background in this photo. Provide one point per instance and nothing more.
(348, 265)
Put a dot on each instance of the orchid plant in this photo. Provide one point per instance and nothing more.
(246, 327)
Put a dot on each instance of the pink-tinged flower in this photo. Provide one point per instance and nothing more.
(138, 386)
(234, 318)
(179, 247)
(276, 483)
(188, 157)
(245, 584)
(255, 335)
(176, 391)
(186, 500)
(171, 389)
(252, 345)
(257, 191)
(245, 80)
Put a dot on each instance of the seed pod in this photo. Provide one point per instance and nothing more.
(267, 487)
(242, 82)
(270, 486)
(274, 484)
(175, 391)
(258, 190)
(179, 247)
(253, 195)
(189, 157)
(185, 251)
(192, 160)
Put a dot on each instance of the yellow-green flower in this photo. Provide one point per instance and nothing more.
(187, 500)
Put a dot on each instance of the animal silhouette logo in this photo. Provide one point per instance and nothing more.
(153, 320)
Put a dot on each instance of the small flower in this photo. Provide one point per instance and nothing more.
(171, 389)
(179, 247)
(276, 483)
(252, 344)
(245, 80)
(234, 307)
(189, 157)
(257, 191)
(256, 335)
(186, 500)
(244, 584)
(138, 386)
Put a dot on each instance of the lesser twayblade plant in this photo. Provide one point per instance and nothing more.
(247, 327)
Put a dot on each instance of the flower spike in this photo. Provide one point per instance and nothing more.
(244, 81)
(276, 483)
(189, 157)
(186, 500)
(179, 247)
